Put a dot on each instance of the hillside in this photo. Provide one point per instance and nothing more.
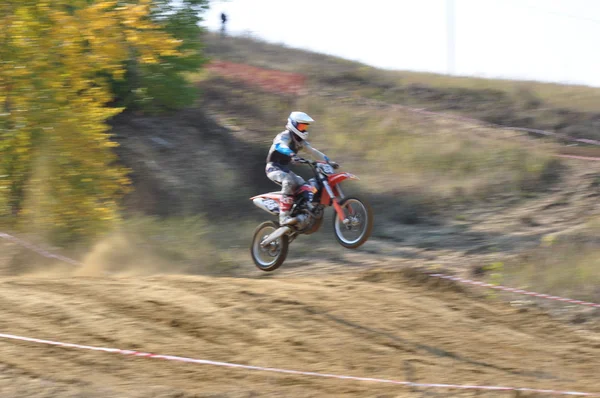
(449, 194)
(570, 110)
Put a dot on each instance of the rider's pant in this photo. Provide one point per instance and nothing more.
(283, 176)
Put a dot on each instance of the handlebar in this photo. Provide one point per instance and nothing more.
(312, 162)
(297, 159)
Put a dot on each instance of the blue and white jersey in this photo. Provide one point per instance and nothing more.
(284, 148)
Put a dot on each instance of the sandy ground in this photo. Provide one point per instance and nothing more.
(326, 310)
(375, 324)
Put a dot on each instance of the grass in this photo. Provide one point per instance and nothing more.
(569, 268)
(569, 109)
(442, 155)
(565, 264)
(253, 51)
(142, 245)
(395, 150)
(185, 244)
(257, 52)
(576, 97)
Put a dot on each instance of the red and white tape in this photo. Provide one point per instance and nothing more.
(453, 278)
(513, 290)
(577, 157)
(38, 250)
(293, 372)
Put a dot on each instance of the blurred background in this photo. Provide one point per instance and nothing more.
(133, 134)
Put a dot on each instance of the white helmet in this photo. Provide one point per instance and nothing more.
(298, 123)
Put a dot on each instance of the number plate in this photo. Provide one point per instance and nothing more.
(326, 168)
(270, 204)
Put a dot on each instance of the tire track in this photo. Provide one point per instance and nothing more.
(338, 324)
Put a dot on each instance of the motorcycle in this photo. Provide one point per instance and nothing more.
(352, 222)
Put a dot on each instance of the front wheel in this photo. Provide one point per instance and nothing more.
(357, 225)
(271, 257)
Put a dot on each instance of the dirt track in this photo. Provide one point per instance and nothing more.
(373, 325)
(321, 313)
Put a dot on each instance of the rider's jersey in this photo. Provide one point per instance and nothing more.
(284, 147)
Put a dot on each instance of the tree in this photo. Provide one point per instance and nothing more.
(162, 85)
(57, 60)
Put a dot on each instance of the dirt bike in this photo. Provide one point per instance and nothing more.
(352, 223)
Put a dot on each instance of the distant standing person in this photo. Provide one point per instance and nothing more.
(223, 22)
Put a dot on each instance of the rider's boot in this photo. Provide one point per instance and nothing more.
(284, 211)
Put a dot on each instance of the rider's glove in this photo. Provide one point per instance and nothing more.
(333, 164)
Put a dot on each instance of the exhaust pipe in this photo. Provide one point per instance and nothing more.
(275, 235)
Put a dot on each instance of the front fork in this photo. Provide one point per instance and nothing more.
(335, 199)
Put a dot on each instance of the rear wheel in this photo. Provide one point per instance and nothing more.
(357, 225)
(271, 257)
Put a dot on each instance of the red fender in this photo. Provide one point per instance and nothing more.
(335, 179)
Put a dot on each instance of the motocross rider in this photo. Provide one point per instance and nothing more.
(285, 147)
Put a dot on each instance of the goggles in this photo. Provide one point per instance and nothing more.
(302, 127)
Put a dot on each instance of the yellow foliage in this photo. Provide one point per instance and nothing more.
(56, 163)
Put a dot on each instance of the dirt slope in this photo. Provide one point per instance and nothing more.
(357, 325)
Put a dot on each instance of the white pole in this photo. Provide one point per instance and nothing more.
(450, 25)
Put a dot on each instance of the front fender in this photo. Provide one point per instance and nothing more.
(335, 179)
